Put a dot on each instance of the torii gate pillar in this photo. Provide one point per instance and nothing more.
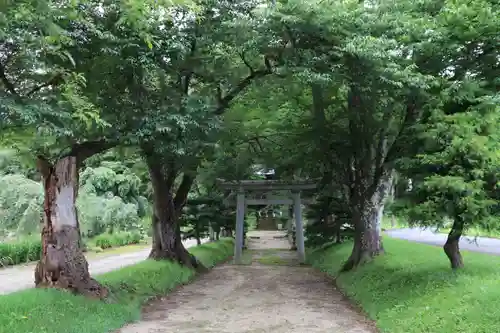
(299, 227)
(240, 221)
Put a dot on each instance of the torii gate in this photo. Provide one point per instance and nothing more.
(243, 186)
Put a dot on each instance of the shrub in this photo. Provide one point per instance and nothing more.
(107, 240)
(14, 253)
(98, 213)
(48, 310)
(20, 252)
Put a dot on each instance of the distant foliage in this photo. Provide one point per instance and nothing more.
(203, 210)
(98, 214)
(107, 201)
(329, 220)
(21, 203)
(106, 241)
(114, 179)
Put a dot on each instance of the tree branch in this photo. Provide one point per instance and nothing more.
(43, 166)
(54, 81)
(411, 116)
(171, 174)
(84, 150)
(242, 56)
(224, 101)
(8, 85)
(183, 191)
(189, 74)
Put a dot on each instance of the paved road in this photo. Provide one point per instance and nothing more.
(427, 236)
(21, 277)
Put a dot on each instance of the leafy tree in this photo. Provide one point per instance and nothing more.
(210, 69)
(47, 90)
(358, 100)
(458, 144)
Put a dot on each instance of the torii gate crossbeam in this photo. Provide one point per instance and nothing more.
(241, 187)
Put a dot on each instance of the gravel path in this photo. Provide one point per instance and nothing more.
(22, 277)
(282, 297)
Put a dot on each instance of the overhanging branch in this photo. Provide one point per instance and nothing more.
(84, 150)
(223, 102)
(183, 191)
(392, 151)
(54, 81)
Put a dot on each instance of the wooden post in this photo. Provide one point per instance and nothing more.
(211, 232)
(240, 220)
(299, 227)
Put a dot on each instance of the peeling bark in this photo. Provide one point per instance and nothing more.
(452, 248)
(367, 215)
(367, 240)
(63, 264)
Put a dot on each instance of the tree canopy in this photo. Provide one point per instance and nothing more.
(360, 95)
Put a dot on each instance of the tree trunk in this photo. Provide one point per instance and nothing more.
(338, 234)
(211, 233)
(167, 242)
(367, 240)
(197, 233)
(367, 215)
(451, 247)
(63, 264)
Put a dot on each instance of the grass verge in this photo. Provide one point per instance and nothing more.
(412, 289)
(43, 311)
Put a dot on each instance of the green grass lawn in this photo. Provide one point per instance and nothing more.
(412, 289)
(44, 311)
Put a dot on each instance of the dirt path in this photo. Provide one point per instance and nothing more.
(271, 293)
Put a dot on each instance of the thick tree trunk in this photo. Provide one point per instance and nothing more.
(367, 240)
(167, 242)
(63, 264)
(367, 216)
(452, 248)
